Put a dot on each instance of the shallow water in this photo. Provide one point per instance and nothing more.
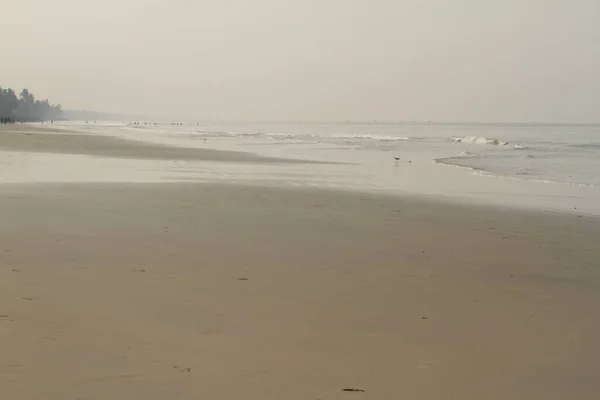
(545, 167)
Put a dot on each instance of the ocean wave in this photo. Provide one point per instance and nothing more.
(587, 145)
(275, 135)
(467, 154)
(456, 160)
(382, 138)
(286, 136)
(451, 162)
(224, 133)
(522, 147)
(478, 140)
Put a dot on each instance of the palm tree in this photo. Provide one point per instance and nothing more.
(27, 97)
(25, 107)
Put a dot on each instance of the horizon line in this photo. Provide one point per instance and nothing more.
(339, 122)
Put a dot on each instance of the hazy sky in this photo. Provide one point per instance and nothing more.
(443, 60)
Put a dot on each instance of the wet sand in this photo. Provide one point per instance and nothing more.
(191, 291)
(28, 138)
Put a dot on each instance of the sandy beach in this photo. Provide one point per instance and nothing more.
(26, 138)
(190, 291)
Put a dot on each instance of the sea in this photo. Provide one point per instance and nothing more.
(540, 166)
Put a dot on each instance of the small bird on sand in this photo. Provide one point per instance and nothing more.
(397, 158)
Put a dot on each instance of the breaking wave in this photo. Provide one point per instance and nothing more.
(522, 147)
(468, 154)
(382, 138)
(281, 135)
(477, 140)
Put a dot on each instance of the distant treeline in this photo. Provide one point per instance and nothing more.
(25, 108)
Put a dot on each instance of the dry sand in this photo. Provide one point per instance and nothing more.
(189, 291)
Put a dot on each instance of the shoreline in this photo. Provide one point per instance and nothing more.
(53, 141)
(43, 155)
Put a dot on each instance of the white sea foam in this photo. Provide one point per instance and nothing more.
(478, 140)
(535, 158)
(522, 147)
(287, 135)
(383, 138)
(451, 162)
